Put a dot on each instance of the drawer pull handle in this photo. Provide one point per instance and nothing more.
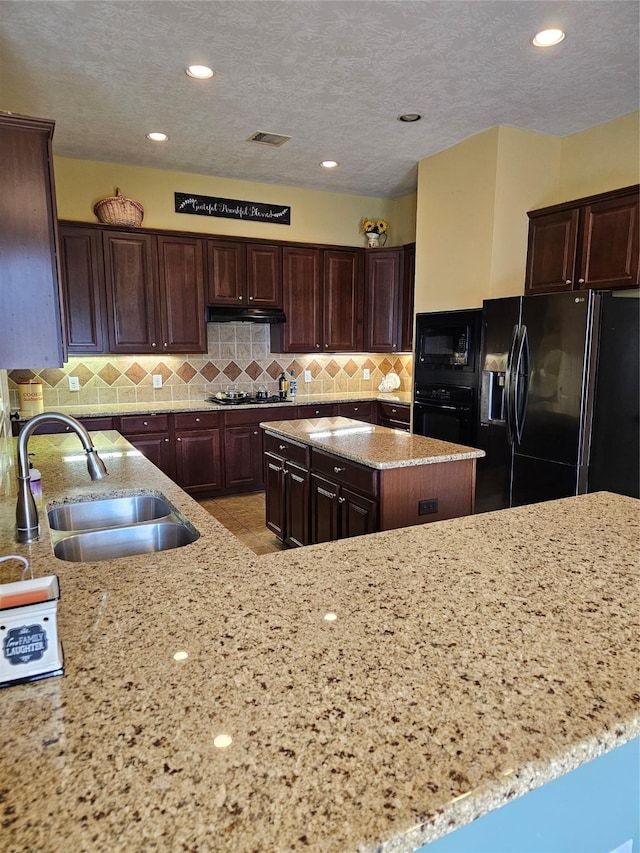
(355, 408)
(145, 423)
(337, 470)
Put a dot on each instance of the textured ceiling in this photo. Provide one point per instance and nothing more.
(331, 74)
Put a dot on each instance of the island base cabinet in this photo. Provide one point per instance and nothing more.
(403, 491)
(274, 494)
(339, 513)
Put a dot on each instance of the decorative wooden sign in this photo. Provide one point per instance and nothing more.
(232, 208)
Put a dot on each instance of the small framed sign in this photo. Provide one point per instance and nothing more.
(232, 208)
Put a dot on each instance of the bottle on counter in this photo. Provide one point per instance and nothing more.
(283, 386)
(293, 385)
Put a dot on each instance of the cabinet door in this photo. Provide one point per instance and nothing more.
(181, 278)
(358, 515)
(157, 449)
(325, 510)
(130, 262)
(274, 494)
(296, 491)
(301, 301)
(551, 253)
(610, 244)
(198, 464)
(243, 457)
(264, 275)
(406, 298)
(382, 294)
(31, 325)
(343, 308)
(82, 272)
(226, 273)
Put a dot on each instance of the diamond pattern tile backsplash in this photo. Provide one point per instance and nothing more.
(238, 354)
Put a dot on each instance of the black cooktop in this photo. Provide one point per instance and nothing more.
(245, 401)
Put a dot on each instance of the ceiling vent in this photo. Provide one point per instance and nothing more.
(273, 139)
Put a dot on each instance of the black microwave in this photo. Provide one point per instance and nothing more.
(448, 340)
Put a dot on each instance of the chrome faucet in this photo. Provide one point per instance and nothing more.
(27, 528)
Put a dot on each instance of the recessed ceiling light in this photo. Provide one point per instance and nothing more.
(410, 117)
(200, 72)
(547, 38)
(329, 164)
(157, 137)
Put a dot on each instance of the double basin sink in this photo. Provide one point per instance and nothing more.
(122, 526)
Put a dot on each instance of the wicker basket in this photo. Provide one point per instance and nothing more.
(118, 210)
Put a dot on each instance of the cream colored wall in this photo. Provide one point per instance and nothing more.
(527, 177)
(471, 222)
(602, 158)
(454, 224)
(316, 217)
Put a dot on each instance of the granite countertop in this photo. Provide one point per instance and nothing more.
(374, 446)
(378, 692)
(117, 409)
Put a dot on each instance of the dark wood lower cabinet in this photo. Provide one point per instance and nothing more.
(198, 460)
(274, 494)
(296, 503)
(243, 458)
(338, 512)
(157, 449)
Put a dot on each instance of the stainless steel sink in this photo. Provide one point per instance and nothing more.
(112, 512)
(119, 526)
(116, 542)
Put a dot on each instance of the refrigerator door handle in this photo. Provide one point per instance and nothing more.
(521, 391)
(509, 388)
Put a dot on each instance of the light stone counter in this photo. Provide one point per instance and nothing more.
(374, 446)
(162, 407)
(469, 661)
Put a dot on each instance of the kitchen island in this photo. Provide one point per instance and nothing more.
(332, 478)
(375, 693)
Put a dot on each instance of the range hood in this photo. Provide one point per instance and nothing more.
(216, 314)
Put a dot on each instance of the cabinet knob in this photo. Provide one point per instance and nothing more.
(145, 423)
(317, 346)
(341, 500)
(153, 345)
(282, 447)
(394, 411)
(568, 281)
(580, 281)
(317, 412)
(197, 420)
(165, 345)
(251, 299)
(337, 470)
(178, 438)
(67, 429)
(255, 432)
(240, 298)
(355, 408)
(167, 440)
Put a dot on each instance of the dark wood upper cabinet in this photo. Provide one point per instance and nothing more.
(342, 301)
(244, 274)
(407, 298)
(84, 294)
(301, 301)
(182, 302)
(130, 265)
(588, 243)
(264, 275)
(383, 271)
(31, 324)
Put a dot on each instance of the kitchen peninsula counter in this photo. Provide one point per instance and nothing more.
(378, 692)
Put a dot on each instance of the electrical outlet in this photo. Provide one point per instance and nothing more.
(366, 373)
(428, 506)
(307, 376)
(157, 380)
(74, 383)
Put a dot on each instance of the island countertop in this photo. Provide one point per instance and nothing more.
(378, 692)
(371, 445)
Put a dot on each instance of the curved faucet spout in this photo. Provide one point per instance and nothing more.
(27, 528)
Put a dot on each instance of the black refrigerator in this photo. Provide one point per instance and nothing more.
(558, 397)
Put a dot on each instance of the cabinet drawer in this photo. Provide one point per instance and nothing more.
(345, 472)
(134, 424)
(394, 412)
(258, 414)
(53, 427)
(196, 420)
(286, 449)
(357, 411)
(322, 410)
(94, 424)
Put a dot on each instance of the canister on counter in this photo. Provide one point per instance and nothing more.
(31, 398)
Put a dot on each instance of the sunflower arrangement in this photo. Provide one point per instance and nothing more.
(373, 226)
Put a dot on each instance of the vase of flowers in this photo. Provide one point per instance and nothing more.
(374, 229)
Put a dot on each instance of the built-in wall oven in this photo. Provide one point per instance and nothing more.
(445, 394)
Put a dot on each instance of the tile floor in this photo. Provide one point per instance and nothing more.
(243, 515)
